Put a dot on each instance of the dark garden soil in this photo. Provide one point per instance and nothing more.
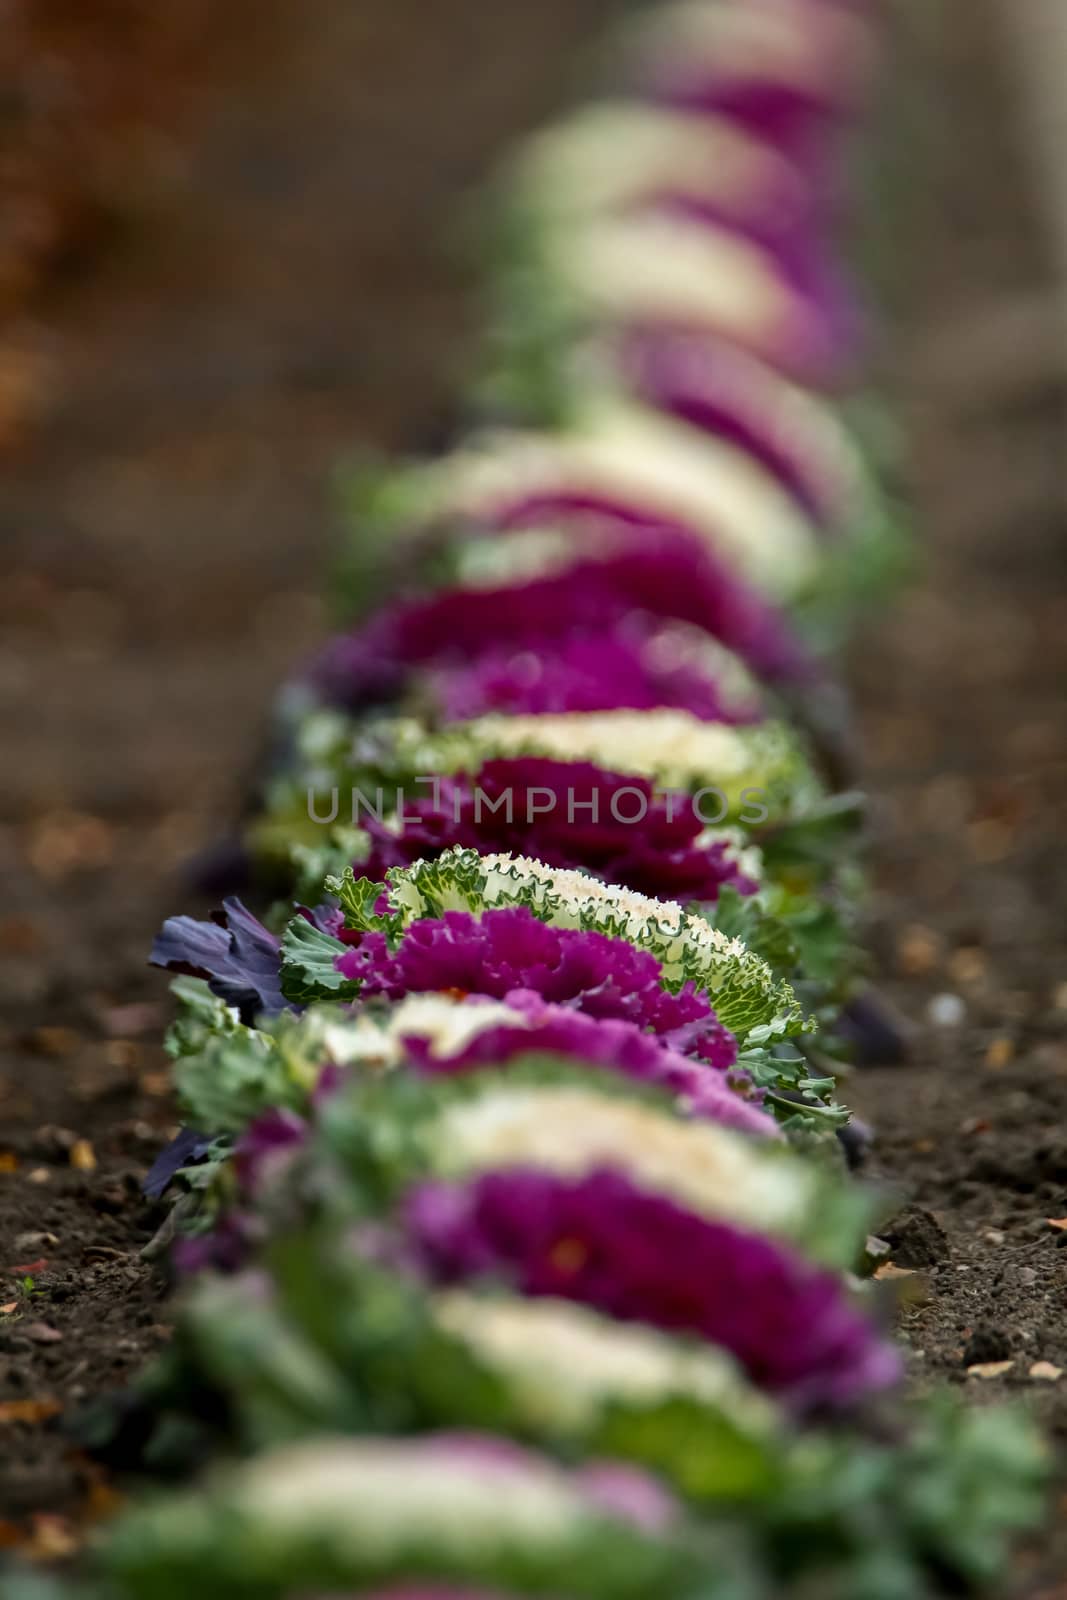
(163, 535)
(962, 692)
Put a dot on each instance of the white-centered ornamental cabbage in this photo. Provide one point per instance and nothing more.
(826, 51)
(611, 155)
(748, 998)
(564, 1363)
(637, 457)
(571, 1132)
(674, 749)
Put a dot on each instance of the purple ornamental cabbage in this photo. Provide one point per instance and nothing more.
(613, 671)
(271, 1139)
(800, 124)
(803, 116)
(703, 380)
(829, 326)
(493, 954)
(617, 1488)
(267, 1143)
(226, 1248)
(619, 1046)
(660, 856)
(508, 949)
(626, 565)
(602, 1242)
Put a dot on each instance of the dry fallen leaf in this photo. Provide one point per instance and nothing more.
(967, 965)
(8, 1161)
(83, 1156)
(910, 1287)
(68, 841)
(990, 1369)
(12, 1305)
(53, 1538)
(990, 840)
(998, 1055)
(28, 1410)
(919, 951)
(54, 1041)
(156, 1084)
(1045, 1370)
(123, 1054)
(1057, 1222)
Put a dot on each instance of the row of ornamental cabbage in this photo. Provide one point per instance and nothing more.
(520, 1253)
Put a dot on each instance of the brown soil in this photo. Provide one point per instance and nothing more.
(163, 538)
(960, 692)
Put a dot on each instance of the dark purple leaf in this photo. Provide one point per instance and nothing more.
(239, 957)
(183, 1150)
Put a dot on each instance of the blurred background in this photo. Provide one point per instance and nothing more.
(226, 257)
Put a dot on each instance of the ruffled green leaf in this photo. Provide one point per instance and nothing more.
(747, 996)
(231, 1079)
(202, 1016)
(308, 969)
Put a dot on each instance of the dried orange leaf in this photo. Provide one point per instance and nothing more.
(123, 1053)
(990, 1369)
(83, 1156)
(919, 951)
(1046, 1371)
(55, 1041)
(155, 1083)
(910, 1287)
(53, 1537)
(967, 965)
(1000, 1052)
(1057, 1222)
(8, 1161)
(28, 1410)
